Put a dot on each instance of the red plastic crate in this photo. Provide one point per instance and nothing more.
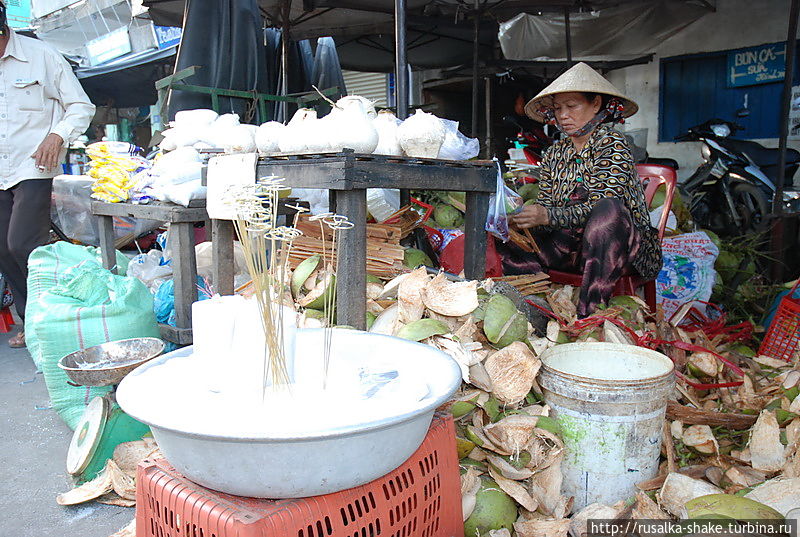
(421, 498)
(783, 336)
(6, 319)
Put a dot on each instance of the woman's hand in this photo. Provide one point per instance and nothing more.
(531, 216)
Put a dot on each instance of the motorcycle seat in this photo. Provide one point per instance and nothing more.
(762, 156)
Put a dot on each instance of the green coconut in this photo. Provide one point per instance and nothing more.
(730, 506)
(373, 279)
(727, 264)
(494, 510)
(529, 191)
(503, 324)
(370, 319)
(422, 329)
(314, 314)
(303, 272)
(459, 409)
(412, 258)
(464, 447)
(458, 200)
(714, 238)
(447, 216)
(466, 461)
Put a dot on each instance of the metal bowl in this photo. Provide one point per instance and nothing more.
(108, 363)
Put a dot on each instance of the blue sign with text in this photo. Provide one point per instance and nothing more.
(19, 13)
(756, 65)
(168, 36)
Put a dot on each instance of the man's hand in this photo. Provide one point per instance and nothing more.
(46, 156)
(531, 216)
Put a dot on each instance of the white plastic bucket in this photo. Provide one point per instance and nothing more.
(610, 401)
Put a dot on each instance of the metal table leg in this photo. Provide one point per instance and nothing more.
(351, 273)
(108, 250)
(475, 239)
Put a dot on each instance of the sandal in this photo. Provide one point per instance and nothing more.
(18, 341)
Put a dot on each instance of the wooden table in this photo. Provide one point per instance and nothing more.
(349, 174)
(184, 264)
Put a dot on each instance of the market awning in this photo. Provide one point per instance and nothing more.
(128, 81)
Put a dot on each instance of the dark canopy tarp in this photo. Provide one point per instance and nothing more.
(128, 81)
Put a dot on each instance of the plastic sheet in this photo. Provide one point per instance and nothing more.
(71, 211)
(457, 146)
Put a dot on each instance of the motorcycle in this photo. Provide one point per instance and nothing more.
(731, 192)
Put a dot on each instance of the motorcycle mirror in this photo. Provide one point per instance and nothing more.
(743, 112)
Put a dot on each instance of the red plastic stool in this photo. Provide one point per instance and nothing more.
(6, 320)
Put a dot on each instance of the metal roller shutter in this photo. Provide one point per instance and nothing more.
(369, 85)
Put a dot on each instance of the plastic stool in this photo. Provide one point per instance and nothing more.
(6, 320)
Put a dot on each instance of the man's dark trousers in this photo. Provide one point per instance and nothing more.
(24, 226)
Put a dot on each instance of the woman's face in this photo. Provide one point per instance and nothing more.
(573, 111)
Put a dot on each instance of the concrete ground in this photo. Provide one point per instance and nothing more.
(34, 448)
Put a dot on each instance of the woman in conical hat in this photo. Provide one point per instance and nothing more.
(590, 216)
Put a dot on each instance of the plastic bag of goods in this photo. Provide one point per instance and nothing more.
(688, 271)
(87, 306)
(457, 146)
(113, 166)
(151, 269)
(503, 203)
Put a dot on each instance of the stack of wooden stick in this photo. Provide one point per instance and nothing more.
(528, 284)
(384, 253)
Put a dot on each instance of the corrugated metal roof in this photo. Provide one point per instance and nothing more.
(369, 85)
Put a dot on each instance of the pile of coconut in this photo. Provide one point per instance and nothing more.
(727, 452)
(353, 123)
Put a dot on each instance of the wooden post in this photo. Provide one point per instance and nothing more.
(475, 239)
(351, 273)
(184, 266)
(107, 247)
(222, 256)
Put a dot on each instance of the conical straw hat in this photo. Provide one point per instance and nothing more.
(579, 77)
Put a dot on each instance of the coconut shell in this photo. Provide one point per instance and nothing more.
(374, 290)
(503, 323)
(512, 371)
(112, 498)
(503, 532)
(766, 450)
(128, 455)
(742, 477)
(422, 329)
(470, 484)
(730, 506)
(516, 490)
(387, 322)
(513, 433)
(506, 469)
(701, 439)
(464, 357)
(127, 531)
(409, 296)
(303, 272)
(679, 489)
(467, 331)
(90, 490)
(453, 299)
(480, 378)
(646, 509)
(781, 494)
(545, 486)
(542, 528)
(122, 483)
(579, 523)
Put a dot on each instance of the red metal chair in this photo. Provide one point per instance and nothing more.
(652, 176)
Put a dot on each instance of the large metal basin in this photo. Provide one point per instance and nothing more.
(108, 363)
(318, 461)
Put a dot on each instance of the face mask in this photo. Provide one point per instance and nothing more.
(614, 109)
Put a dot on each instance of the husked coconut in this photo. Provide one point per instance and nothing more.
(268, 137)
(512, 371)
(679, 489)
(766, 450)
(579, 523)
(421, 135)
(453, 299)
(387, 124)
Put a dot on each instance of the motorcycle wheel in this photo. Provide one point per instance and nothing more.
(753, 207)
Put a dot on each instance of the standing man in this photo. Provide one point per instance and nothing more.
(42, 109)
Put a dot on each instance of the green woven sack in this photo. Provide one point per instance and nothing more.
(46, 266)
(88, 306)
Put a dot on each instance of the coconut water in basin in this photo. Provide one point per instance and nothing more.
(333, 427)
(610, 401)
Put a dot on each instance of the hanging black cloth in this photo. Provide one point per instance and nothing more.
(224, 38)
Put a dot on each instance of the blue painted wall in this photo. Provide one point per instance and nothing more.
(694, 89)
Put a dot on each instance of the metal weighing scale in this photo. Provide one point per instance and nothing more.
(104, 425)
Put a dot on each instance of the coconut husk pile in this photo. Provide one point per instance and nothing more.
(732, 434)
(116, 483)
